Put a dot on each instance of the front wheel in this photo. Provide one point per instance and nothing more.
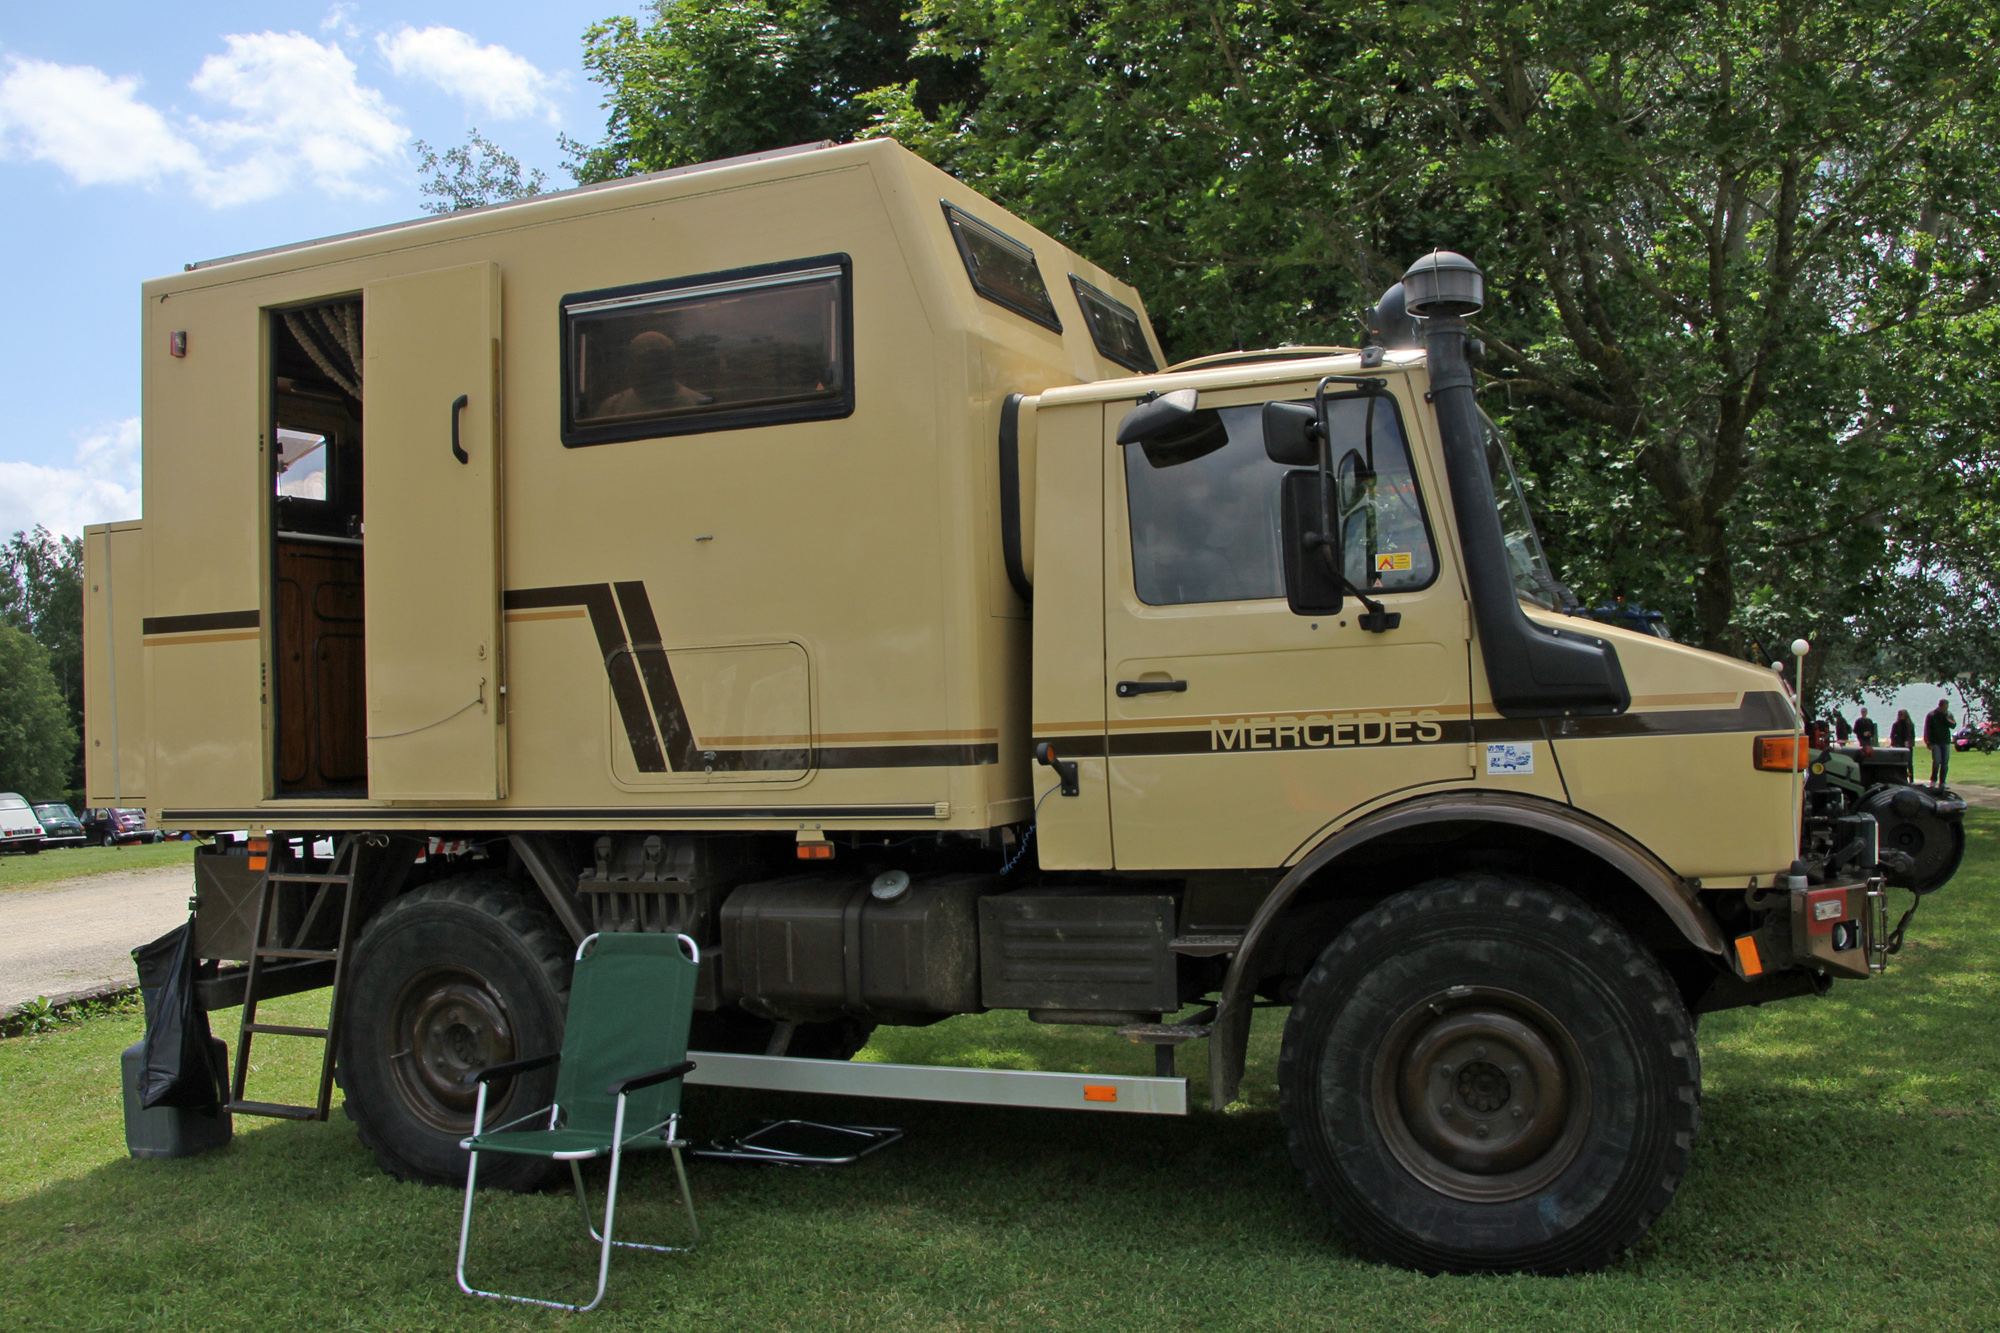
(1484, 1075)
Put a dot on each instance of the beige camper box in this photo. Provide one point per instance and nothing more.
(804, 554)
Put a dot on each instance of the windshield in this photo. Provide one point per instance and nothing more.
(60, 812)
(1533, 579)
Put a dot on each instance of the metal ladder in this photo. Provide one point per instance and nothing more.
(347, 856)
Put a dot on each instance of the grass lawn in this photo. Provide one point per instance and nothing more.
(59, 863)
(1981, 770)
(1847, 1177)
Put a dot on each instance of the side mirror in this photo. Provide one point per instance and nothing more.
(1313, 583)
(1174, 428)
(1291, 434)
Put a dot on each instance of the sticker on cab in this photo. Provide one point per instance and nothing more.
(1510, 758)
(1390, 562)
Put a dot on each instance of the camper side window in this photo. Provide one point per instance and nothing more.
(1002, 269)
(720, 351)
(1114, 327)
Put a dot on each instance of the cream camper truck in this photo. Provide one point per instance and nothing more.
(803, 554)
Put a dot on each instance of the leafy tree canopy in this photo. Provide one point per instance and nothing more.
(37, 741)
(41, 592)
(1742, 291)
(473, 175)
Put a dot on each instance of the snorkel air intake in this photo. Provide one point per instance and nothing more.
(1533, 671)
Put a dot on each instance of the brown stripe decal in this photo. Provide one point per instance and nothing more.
(625, 692)
(1759, 711)
(189, 624)
(651, 655)
(644, 657)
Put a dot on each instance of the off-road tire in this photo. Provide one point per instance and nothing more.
(469, 972)
(1384, 1076)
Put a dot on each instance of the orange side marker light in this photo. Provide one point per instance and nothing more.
(815, 851)
(1099, 1092)
(1746, 953)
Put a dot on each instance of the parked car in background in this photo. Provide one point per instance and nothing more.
(109, 827)
(60, 826)
(20, 831)
(1983, 736)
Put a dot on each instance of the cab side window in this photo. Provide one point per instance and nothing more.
(1205, 514)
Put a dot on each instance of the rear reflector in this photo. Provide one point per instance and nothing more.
(815, 851)
(1099, 1092)
(1746, 953)
(1780, 754)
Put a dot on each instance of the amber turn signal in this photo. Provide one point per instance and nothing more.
(1780, 754)
(815, 851)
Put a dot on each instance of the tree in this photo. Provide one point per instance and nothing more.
(41, 594)
(1741, 253)
(473, 175)
(37, 741)
(706, 80)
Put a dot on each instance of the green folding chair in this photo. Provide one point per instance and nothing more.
(623, 1056)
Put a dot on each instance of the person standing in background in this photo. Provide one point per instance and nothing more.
(1903, 736)
(1865, 734)
(1841, 731)
(1903, 731)
(1938, 725)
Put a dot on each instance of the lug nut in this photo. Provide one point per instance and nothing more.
(1480, 1131)
(1445, 1110)
(1514, 1072)
(1444, 1071)
(1480, 1050)
(1516, 1113)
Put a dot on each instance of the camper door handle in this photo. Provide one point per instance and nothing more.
(1128, 688)
(457, 406)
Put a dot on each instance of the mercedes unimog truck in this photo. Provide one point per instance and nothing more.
(803, 554)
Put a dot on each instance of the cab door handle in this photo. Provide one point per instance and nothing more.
(458, 450)
(1129, 688)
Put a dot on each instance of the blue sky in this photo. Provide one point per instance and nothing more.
(137, 138)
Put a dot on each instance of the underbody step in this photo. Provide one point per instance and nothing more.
(1205, 946)
(346, 863)
(1164, 1034)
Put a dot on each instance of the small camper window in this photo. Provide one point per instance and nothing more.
(302, 464)
(1002, 269)
(721, 351)
(1114, 327)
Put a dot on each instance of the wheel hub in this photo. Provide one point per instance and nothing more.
(1480, 1094)
(449, 1024)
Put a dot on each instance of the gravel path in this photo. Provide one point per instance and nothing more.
(79, 934)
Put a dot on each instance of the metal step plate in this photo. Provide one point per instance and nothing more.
(943, 1083)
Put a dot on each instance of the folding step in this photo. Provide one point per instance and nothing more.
(276, 1110)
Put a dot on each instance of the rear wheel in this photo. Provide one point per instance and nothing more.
(1484, 1075)
(447, 980)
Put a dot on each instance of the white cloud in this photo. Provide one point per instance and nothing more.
(490, 79)
(296, 115)
(300, 114)
(88, 124)
(101, 487)
(340, 18)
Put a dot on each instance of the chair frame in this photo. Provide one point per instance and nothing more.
(667, 1129)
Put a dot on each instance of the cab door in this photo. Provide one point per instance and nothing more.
(1236, 729)
(431, 489)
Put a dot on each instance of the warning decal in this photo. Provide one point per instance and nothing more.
(1389, 562)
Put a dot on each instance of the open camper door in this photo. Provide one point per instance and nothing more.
(431, 491)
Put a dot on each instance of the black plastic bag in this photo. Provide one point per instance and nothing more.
(178, 1069)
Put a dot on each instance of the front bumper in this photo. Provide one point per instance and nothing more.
(1839, 929)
